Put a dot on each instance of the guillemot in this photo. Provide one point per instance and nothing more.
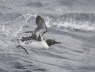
(36, 40)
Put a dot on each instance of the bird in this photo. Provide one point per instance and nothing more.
(36, 40)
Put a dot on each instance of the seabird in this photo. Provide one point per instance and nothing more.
(37, 40)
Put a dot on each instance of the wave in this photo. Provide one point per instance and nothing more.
(71, 26)
(75, 22)
(71, 23)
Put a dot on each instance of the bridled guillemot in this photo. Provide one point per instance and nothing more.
(36, 40)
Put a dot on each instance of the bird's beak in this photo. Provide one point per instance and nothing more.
(57, 42)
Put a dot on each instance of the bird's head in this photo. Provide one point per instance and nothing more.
(52, 42)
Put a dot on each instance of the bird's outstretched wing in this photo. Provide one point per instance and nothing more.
(39, 31)
(40, 24)
(41, 27)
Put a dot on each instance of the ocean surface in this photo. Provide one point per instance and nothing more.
(75, 31)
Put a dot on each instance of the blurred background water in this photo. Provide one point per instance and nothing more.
(72, 22)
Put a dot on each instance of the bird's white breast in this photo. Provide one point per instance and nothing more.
(35, 44)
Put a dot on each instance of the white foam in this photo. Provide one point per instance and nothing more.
(71, 25)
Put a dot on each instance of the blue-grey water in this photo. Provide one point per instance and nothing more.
(71, 22)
